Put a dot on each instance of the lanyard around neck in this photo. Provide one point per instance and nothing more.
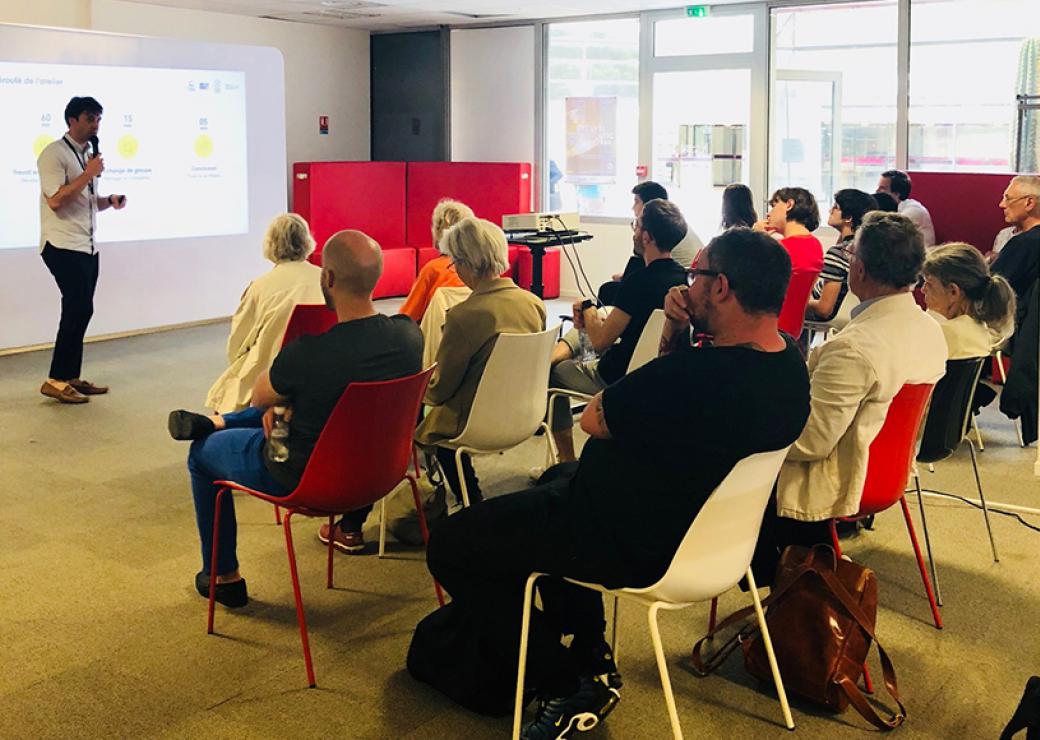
(79, 158)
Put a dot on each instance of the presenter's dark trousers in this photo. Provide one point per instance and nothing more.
(76, 274)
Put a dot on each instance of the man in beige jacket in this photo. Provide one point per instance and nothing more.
(889, 342)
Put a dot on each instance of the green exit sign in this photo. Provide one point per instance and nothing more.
(697, 11)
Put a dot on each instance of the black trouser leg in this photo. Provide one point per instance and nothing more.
(354, 521)
(446, 458)
(777, 534)
(483, 556)
(76, 274)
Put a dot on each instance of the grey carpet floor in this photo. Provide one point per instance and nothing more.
(102, 633)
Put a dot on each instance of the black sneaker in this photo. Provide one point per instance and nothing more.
(580, 712)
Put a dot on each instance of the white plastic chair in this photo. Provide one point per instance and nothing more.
(646, 349)
(510, 402)
(714, 554)
(432, 324)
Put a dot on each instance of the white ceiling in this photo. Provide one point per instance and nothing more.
(387, 15)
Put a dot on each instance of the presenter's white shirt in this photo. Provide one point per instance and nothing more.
(917, 213)
(73, 225)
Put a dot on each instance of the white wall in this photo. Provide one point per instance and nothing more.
(492, 95)
(63, 13)
(326, 69)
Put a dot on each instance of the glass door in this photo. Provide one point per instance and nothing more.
(707, 125)
(805, 144)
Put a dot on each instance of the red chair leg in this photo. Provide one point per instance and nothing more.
(277, 515)
(301, 620)
(328, 578)
(868, 685)
(415, 462)
(713, 615)
(213, 560)
(834, 537)
(920, 564)
(423, 528)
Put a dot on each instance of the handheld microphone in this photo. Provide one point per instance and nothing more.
(94, 148)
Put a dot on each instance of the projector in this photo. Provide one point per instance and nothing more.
(541, 222)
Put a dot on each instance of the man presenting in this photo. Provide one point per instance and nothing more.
(69, 202)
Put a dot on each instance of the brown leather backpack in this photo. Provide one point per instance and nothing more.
(821, 614)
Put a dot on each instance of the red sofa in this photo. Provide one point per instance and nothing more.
(963, 205)
(368, 196)
(393, 202)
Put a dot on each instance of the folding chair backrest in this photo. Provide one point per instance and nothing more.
(308, 319)
(950, 411)
(844, 315)
(792, 312)
(365, 447)
(649, 341)
(892, 450)
(432, 324)
(511, 397)
(717, 548)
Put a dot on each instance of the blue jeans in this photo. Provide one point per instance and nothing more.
(235, 453)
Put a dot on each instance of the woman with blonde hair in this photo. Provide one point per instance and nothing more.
(263, 313)
(480, 255)
(974, 307)
(438, 272)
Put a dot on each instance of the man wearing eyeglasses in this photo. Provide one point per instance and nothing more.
(1019, 262)
(1019, 258)
(662, 439)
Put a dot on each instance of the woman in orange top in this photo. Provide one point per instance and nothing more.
(439, 272)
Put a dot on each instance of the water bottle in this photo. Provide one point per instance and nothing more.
(277, 449)
(586, 352)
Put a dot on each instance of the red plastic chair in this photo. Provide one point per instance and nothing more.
(891, 455)
(792, 313)
(307, 319)
(355, 463)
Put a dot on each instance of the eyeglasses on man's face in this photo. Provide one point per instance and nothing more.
(694, 272)
(1008, 201)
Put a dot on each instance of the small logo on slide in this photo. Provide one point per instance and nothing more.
(127, 146)
(203, 145)
(41, 143)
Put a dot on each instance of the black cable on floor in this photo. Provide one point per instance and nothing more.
(971, 503)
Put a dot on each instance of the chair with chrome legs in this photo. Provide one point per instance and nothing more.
(946, 427)
(711, 558)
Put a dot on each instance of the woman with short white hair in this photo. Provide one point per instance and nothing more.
(438, 272)
(479, 252)
(263, 313)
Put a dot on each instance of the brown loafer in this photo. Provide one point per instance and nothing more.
(68, 394)
(87, 388)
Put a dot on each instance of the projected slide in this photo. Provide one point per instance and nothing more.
(173, 140)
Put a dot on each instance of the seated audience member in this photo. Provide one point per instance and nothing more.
(737, 207)
(663, 438)
(1002, 238)
(308, 377)
(886, 203)
(853, 378)
(683, 252)
(438, 272)
(478, 250)
(975, 309)
(263, 313)
(897, 184)
(1019, 258)
(850, 206)
(658, 229)
(1019, 262)
(793, 216)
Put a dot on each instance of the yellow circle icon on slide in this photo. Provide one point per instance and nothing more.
(41, 143)
(127, 146)
(203, 145)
